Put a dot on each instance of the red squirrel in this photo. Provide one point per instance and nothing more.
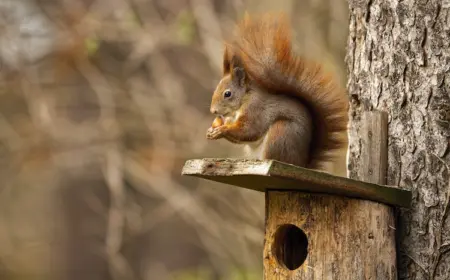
(279, 104)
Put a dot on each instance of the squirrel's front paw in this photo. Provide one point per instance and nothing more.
(214, 133)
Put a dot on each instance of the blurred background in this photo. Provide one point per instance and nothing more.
(101, 103)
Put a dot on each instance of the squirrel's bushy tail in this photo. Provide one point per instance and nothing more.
(263, 45)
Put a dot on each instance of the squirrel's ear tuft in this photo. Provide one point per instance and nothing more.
(226, 60)
(236, 62)
(239, 76)
(237, 71)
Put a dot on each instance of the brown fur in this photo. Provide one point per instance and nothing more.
(286, 142)
(263, 46)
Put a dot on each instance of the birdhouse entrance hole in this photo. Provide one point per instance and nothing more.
(290, 246)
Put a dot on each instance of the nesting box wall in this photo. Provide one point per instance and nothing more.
(346, 238)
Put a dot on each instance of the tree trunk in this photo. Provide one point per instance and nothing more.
(399, 62)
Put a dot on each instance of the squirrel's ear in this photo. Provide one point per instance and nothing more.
(236, 62)
(239, 76)
(232, 65)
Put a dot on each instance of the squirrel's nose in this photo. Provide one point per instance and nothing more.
(213, 111)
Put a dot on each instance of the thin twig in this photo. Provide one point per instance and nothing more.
(119, 267)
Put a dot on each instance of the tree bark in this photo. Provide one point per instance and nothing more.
(399, 61)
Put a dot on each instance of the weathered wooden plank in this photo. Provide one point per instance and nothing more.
(274, 175)
(382, 263)
(374, 147)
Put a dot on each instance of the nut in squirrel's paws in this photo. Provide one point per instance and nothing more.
(218, 121)
(214, 133)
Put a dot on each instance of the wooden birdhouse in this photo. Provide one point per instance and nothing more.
(321, 226)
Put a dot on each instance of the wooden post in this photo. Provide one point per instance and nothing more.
(321, 226)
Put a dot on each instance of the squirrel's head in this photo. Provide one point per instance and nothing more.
(230, 92)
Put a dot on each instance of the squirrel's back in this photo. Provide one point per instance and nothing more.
(263, 44)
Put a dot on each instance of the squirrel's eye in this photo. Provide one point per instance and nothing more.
(227, 94)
